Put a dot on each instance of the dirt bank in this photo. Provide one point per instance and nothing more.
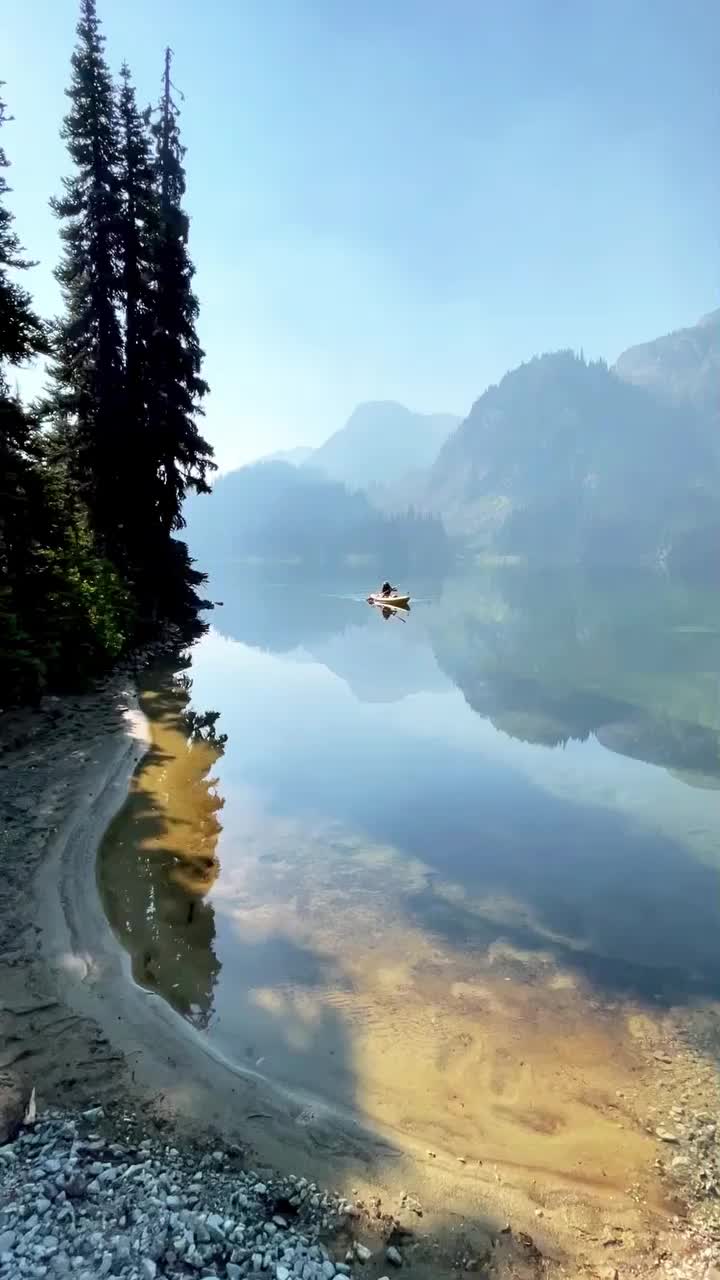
(75, 1025)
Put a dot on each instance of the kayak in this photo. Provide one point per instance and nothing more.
(389, 602)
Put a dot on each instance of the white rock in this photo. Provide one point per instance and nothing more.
(148, 1269)
(666, 1136)
(362, 1253)
(282, 1273)
(394, 1256)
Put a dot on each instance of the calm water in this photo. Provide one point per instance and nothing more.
(435, 846)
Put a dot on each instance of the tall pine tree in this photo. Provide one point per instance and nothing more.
(21, 332)
(22, 336)
(139, 231)
(178, 388)
(86, 403)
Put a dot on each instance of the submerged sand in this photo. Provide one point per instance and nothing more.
(513, 1103)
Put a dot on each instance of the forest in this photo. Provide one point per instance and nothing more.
(94, 472)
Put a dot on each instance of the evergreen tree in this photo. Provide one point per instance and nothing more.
(86, 404)
(21, 332)
(63, 610)
(139, 228)
(22, 336)
(185, 458)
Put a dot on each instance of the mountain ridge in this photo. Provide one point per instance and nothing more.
(381, 443)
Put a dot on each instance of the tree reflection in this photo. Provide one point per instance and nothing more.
(158, 860)
(549, 658)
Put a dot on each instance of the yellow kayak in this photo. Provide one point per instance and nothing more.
(389, 602)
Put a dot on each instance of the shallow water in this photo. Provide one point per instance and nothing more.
(446, 865)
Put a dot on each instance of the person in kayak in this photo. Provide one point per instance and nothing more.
(386, 589)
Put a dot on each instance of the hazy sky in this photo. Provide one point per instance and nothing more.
(404, 198)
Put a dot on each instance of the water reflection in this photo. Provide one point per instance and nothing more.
(554, 657)
(548, 658)
(158, 860)
(446, 847)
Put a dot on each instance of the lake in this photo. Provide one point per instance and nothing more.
(455, 871)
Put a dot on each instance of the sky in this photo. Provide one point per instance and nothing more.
(403, 199)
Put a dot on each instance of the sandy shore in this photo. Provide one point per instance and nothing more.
(74, 1025)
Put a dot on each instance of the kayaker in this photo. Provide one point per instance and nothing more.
(386, 589)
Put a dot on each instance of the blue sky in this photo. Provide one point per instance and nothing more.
(404, 198)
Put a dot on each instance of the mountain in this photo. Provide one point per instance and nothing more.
(683, 367)
(382, 443)
(566, 461)
(295, 457)
(276, 512)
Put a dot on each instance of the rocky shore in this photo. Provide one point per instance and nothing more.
(76, 1201)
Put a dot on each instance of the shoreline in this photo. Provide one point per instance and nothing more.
(76, 1025)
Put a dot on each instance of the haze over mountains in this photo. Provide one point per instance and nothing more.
(381, 443)
(564, 461)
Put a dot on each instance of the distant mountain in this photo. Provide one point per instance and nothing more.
(566, 461)
(683, 366)
(382, 443)
(295, 457)
(276, 512)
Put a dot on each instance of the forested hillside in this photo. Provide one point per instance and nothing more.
(565, 461)
(275, 511)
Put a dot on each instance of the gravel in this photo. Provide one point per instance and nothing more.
(77, 1203)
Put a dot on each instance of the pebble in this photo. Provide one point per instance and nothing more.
(666, 1135)
(139, 1212)
(394, 1256)
(362, 1253)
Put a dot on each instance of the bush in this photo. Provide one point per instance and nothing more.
(64, 614)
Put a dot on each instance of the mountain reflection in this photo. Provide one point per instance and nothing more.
(547, 657)
(158, 859)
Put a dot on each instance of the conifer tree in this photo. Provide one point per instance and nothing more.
(185, 458)
(86, 403)
(139, 228)
(21, 332)
(22, 335)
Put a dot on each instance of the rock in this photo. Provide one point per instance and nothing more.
(148, 1269)
(14, 1100)
(362, 1253)
(282, 1273)
(666, 1135)
(394, 1256)
(329, 1269)
(7, 1241)
(233, 1271)
(680, 1162)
